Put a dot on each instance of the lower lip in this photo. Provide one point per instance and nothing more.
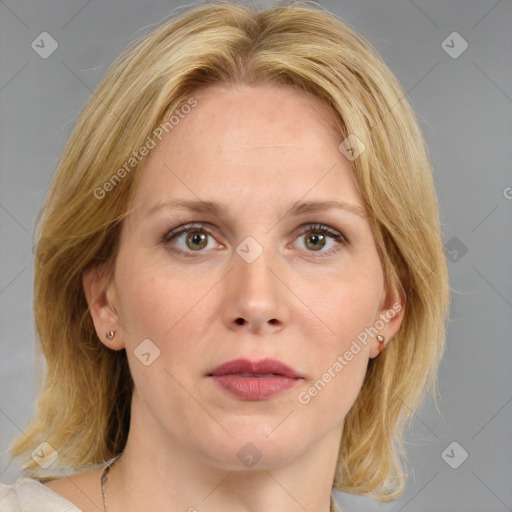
(255, 388)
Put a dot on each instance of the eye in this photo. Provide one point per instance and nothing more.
(188, 239)
(318, 236)
(194, 238)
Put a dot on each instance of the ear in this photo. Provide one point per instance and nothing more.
(387, 320)
(103, 312)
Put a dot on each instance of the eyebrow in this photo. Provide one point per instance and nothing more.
(298, 208)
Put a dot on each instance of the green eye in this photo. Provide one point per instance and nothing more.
(318, 236)
(196, 240)
(191, 239)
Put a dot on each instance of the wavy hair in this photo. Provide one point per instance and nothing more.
(83, 409)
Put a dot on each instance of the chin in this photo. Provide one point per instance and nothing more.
(253, 449)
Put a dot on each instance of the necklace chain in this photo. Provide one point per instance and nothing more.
(103, 481)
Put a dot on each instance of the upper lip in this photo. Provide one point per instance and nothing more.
(263, 366)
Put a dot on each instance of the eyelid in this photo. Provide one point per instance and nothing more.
(169, 233)
(306, 228)
(329, 231)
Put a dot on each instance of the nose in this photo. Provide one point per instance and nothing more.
(255, 297)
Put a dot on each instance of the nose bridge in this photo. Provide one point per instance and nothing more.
(252, 271)
(255, 296)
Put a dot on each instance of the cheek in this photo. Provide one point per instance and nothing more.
(340, 354)
(174, 311)
(339, 361)
(347, 303)
(154, 303)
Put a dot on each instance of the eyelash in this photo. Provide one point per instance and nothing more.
(319, 229)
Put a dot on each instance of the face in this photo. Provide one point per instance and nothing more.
(257, 277)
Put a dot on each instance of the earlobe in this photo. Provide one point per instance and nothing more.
(103, 314)
(387, 323)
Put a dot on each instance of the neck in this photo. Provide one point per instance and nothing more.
(154, 473)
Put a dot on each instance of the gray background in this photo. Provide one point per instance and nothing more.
(464, 105)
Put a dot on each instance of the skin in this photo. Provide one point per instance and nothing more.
(258, 150)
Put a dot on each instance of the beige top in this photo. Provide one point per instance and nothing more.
(30, 495)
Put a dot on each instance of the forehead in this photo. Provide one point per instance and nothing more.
(249, 144)
(260, 108)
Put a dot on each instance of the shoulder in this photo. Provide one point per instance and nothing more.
(83, 489)
(28, 493)
(78, 492)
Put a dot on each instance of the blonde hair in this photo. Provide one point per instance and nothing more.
(83, 409)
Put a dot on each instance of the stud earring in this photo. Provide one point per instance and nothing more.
(110, 334)
(381, 340)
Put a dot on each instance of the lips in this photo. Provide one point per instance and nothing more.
(254, 380)
(246, 368)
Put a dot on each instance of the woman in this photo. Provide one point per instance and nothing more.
(240, 285)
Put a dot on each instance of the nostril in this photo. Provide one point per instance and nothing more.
(240, 321)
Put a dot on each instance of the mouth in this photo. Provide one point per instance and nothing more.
(255, 380)
(247, 368)
(258, 375)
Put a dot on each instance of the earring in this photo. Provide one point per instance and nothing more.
(381, 340)
(110, 334)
